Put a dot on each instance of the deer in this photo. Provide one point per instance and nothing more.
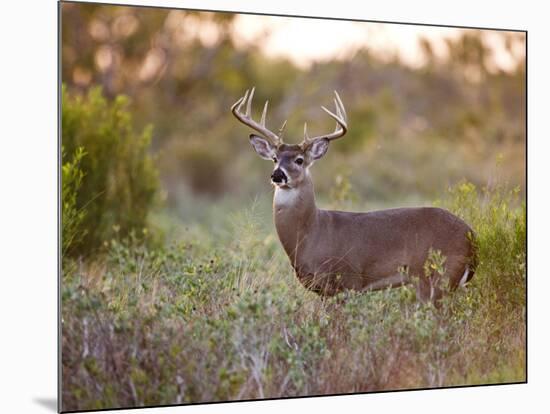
(335, 251)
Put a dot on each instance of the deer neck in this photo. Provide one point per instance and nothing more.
(294, 212)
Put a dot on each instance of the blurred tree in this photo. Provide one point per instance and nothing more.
(184, 69)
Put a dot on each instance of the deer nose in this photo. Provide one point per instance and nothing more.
(278, 176)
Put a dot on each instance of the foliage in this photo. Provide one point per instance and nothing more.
(112, 188)
(71, 216)
(413, 131)
(499, 219)
(212, 317)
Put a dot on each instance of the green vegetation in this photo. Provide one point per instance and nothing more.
(109, 179)
(72, 216)
(212, 317)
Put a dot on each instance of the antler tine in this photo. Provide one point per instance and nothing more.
(237, 105)
(247, 119)
(338, 110)
(341, 105)
(338, 113)
(282, 129)
(245, 97)
(341, 123)
(341, 126)
(249, 103)
(264, 113)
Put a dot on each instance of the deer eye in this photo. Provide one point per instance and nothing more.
(299, 161)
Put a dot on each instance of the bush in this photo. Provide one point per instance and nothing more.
(499, 219)
(116, 182)
(71, 216)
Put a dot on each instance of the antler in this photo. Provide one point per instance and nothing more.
(247, 119)
(341, 123)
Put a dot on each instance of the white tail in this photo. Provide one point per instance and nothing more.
(335, 250)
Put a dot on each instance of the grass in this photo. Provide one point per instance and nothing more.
(217, 314)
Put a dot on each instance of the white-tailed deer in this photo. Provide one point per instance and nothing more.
(331, 251)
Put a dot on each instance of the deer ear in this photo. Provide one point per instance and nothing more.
(317, 148)
(263, 147)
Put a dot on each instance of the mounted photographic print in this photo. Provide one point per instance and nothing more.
(259, 207)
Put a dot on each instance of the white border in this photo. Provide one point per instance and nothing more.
(28, 159)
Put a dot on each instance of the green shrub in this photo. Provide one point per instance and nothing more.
(498, 217)
(118, 180)
(72, 217)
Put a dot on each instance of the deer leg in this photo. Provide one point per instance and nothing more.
(428, 290)
(321, 283)
(433, 286)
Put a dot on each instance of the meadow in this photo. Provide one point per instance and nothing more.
(174, 286)
(217, 314)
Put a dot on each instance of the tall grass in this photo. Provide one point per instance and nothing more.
(220, 316)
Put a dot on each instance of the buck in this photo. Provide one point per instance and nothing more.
(332, 251)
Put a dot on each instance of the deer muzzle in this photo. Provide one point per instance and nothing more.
(279, 177)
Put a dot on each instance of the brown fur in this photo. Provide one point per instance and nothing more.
(335, 250)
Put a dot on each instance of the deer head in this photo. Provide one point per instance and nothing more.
(291, 161)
